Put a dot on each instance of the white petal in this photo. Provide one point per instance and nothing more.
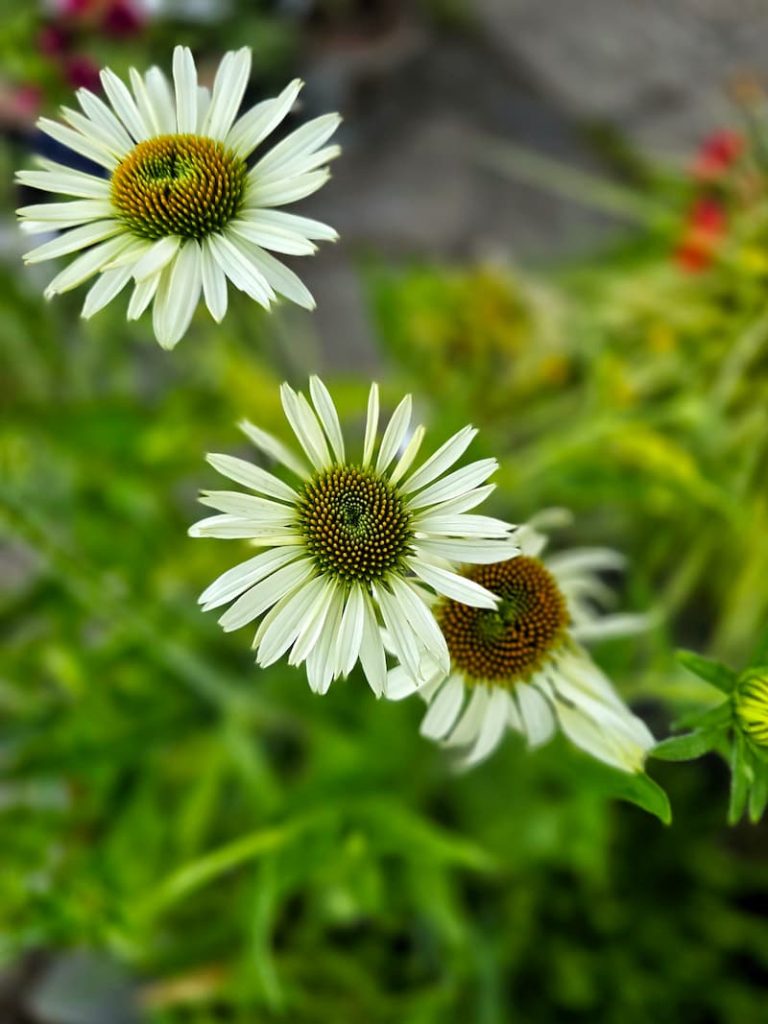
(463, 526)
(228, 527)
(536, 714)
(301, 142)
(279, 277)
(78, 143)
(214, 283)
(158, 256)
(228, 90)
(143, 294)
(372, 657)
(306, 632)
(286, 190)
(234, 581)
(455, 484)
(72, 212)
(300, 624)
(268, 237)
(493, 727)
(465, 502)
(249, 506)
(108, 286)
(100, 113)
(274, 448)
(66, 181)
(443, 459)
(76, 238)
(255, 601)
(178, 295)
(581, 560)
(321, 661)
(371, 424)
(279, 220)
(459, 588)
(185, 86)
(351, 631)
(305, 426)
(255, 125)
(395, 433)
(609, 626)
(95, 132)
(86, 265)
(144, 104)
(406, 642)
(258, 479)
(400, 684)
(161, 98)
(409, 454)
(423, 623)
(327, 415)
(443, 709)
(468, 727)
(302, 163)
(470, 552)
(241, 270)
(124, 105)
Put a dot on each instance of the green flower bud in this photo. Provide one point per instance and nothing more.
(751, 704)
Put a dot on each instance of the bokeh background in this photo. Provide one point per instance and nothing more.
(553, 226)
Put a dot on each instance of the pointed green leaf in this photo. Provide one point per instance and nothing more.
(688, 747)
(758, 794)
(760, 654)
(713, 672)
(644, 792)
(741, 777)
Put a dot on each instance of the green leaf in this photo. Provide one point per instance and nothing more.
(713, 672)
(221, 861)
(758, 794)
(688, 747)
(760, 653)
(644, 792)
(741, 778)
(711, 719)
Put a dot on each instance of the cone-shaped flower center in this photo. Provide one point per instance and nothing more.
(752, 705)
(508, 644)
(355, 523)
(184, 185)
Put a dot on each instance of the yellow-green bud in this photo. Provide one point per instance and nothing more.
(751, 704)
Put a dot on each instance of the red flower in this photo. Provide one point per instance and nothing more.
(81, 72)
(716, 155)
(705, 227)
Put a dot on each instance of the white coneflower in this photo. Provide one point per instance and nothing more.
(521, 665)
(178, 210)
(353, 544)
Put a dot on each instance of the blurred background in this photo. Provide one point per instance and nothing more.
(553, 226)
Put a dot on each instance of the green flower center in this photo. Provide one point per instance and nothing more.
(184, 185)
(508, 644)
(355, 524)
(752, 705)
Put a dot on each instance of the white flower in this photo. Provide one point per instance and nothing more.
(522, 666)
(177, 209)
(353, 544)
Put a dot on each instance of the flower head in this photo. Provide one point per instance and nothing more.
(178, 208)
(520, 665)
(356, 544)
(751, 703)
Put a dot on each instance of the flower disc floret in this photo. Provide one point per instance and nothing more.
(185, 185)
(507, 644)
(356, 525)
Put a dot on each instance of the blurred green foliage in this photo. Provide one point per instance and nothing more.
(254, 853)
